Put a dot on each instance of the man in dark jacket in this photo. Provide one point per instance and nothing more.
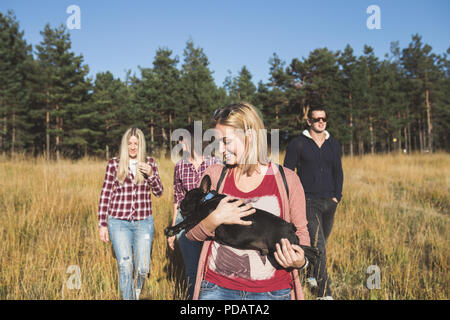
(317, 157)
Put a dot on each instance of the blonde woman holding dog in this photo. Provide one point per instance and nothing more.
(125, 210)
(228, 273)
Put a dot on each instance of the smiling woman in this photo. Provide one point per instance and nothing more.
(125, 210)
(244, 139)
(226, 272)
(132, 152)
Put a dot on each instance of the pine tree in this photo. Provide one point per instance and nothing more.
(229, 84)
(15, 62)
(348, 83)
(198, 89)
(241, 88)
(108, 97)
(392, 111)
(65, 92)
(144, 102)
(318, 77)
(168, 100)
(370, 66)
(276, 102)
(441, 113)
(420, 67)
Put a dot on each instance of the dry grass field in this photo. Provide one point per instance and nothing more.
(394, 214)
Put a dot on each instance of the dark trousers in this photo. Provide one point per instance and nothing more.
(320, 216)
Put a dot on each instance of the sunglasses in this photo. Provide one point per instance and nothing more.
(314, 120)
(222, 113)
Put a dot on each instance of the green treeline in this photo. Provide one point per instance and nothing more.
(49, 106)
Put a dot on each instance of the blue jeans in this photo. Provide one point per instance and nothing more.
(132, 242)
(211, 291)
(190, 250)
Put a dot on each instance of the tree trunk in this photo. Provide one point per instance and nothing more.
(13, 134)
(408, 130)
(372, 136)
(305, 112)
(58, 134)
(47, 127)
(4, 131)
(1, 141)
(152, 131)
(430, 126)
(276, 116)
(360, 146)
(351, 125)
(170, 127)
(1, 134)
(57, 141)
(425, 143)
(415, 142)
(421, 142)
(47, 135)
(164, 144)
(405, 138)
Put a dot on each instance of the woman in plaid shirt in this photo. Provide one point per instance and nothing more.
(125, 210)
(186, 177)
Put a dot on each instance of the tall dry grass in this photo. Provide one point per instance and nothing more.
(394, 214)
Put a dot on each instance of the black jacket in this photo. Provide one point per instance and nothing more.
(320, 168)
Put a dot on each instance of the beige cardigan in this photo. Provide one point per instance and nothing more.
(294, 210)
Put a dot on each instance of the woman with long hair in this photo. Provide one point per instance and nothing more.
(125, 210)
(225, 272)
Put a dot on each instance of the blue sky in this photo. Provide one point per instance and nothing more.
(121, 35)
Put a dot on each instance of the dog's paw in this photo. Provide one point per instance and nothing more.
(169, 232)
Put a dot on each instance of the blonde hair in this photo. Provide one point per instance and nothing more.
(245, 117)
(124, 158)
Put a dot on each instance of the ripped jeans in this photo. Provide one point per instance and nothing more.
(132, 242)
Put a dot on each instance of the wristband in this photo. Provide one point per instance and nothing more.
(304, 265)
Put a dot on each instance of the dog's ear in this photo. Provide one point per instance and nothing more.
(205, 185)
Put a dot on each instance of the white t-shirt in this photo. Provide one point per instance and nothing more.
(133, 166)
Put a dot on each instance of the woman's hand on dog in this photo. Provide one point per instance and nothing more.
(229, 211)
(289, 256)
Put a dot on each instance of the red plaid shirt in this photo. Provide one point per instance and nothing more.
(186, 177)
(127, 201)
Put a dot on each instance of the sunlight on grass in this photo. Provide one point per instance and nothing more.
(394, 214)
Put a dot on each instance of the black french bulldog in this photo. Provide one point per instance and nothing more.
(265, 231)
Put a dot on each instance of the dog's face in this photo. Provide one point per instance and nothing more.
(190, 206)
